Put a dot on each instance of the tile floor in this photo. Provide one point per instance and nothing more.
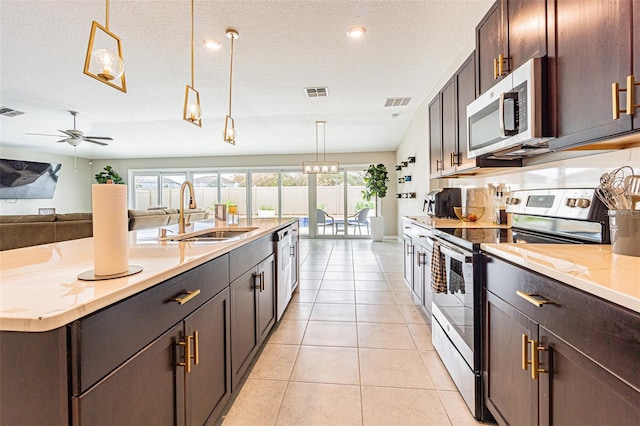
(351, 349)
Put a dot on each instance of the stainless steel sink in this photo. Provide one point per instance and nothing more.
(212, 235)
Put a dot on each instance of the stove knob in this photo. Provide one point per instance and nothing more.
(571, 202)
(584, 202)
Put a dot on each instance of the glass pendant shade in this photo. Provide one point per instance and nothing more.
(192, 112)
(104, 56)
(229, 130)
(106, 64)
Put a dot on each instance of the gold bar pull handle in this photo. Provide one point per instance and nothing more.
(495, 68)
(529, 297)
(615, 99)
(535, 360)
(258, 281)
(525, 355)
(500, 64)
(187, 354)
(196, 347)
(190, 294)
(631, 95)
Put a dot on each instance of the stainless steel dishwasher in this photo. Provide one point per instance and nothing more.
(283, 267)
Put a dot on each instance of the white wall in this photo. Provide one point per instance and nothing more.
(73, 191)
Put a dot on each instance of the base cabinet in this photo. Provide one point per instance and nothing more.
(253, 310)
(572, 360)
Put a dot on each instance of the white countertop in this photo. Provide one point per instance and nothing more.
(588, 267)
(40, 291)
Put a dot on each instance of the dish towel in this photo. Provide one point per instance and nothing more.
(438, 270)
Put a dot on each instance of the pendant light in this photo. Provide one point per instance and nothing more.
(102, 62)
(229, 127)
(324, 166)
(192, 111)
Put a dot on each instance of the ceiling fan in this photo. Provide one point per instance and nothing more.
(75, 136)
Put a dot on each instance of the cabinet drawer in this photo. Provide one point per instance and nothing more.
(590, 324)
(249, 255)
(104, 340)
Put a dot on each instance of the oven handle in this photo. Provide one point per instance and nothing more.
(456, 255)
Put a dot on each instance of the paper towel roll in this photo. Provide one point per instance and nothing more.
(110, 229)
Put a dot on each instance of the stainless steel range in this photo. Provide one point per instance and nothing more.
(552, 216)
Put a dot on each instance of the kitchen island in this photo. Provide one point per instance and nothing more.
(158, 347)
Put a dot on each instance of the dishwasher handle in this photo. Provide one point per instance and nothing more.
(454, 254)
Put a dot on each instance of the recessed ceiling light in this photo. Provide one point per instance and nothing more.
(356, 32)
(212, 44)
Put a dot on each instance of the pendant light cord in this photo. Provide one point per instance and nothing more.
(317, 127)
(231, 73)
(107, 14)
(192, 61)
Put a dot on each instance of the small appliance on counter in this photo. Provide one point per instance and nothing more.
(440, 202)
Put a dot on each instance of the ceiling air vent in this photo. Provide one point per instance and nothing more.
(394, 102)
(8, 112)
(316, 92)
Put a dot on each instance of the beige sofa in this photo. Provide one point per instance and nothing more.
(29, 230)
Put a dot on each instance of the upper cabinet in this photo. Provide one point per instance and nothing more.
(511, 33)
(595, 44)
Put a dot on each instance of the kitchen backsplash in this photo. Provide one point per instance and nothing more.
(580, 172)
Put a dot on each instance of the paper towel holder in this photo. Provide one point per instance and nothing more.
(91, 275)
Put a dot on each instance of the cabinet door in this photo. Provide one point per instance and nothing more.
(448, 109)
(295, 262)
(208, 385)
(266, 297)
(147, 390)
(526, 26)
(407, 261)
(578, 391)
(593, 36)
(418, 273)
(435, 137)
(244, 335)
(465, 93)
(510, 393)
(488, 47)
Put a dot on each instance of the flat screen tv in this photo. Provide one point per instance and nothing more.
(27, 179)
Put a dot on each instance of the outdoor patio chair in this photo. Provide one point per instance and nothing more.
(360, 219)
(324, 220)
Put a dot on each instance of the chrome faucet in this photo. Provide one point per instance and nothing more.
(192, 205)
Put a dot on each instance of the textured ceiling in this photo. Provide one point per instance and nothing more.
(284, 46)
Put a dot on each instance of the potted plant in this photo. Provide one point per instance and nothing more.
(375, 181)
(108, 174)
(266, 211)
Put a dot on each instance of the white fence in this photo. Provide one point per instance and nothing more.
(294, 198)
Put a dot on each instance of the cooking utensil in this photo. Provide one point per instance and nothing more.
(633, 191)
(613, 189)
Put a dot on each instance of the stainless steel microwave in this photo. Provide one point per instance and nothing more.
(512, 119)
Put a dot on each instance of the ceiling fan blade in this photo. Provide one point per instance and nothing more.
(96, 142)
(62, 140)
(42, 134)
(66, 132)
(99, 137)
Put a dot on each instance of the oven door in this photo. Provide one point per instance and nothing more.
(456, 305)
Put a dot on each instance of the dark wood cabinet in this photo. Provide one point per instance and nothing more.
(435, 138)
(509, 392)
(489, 33)
(572, 360)
(511, 32)
(182, 377)
(465, 94)
(253, 313)
(592, 43)
(449, 132)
